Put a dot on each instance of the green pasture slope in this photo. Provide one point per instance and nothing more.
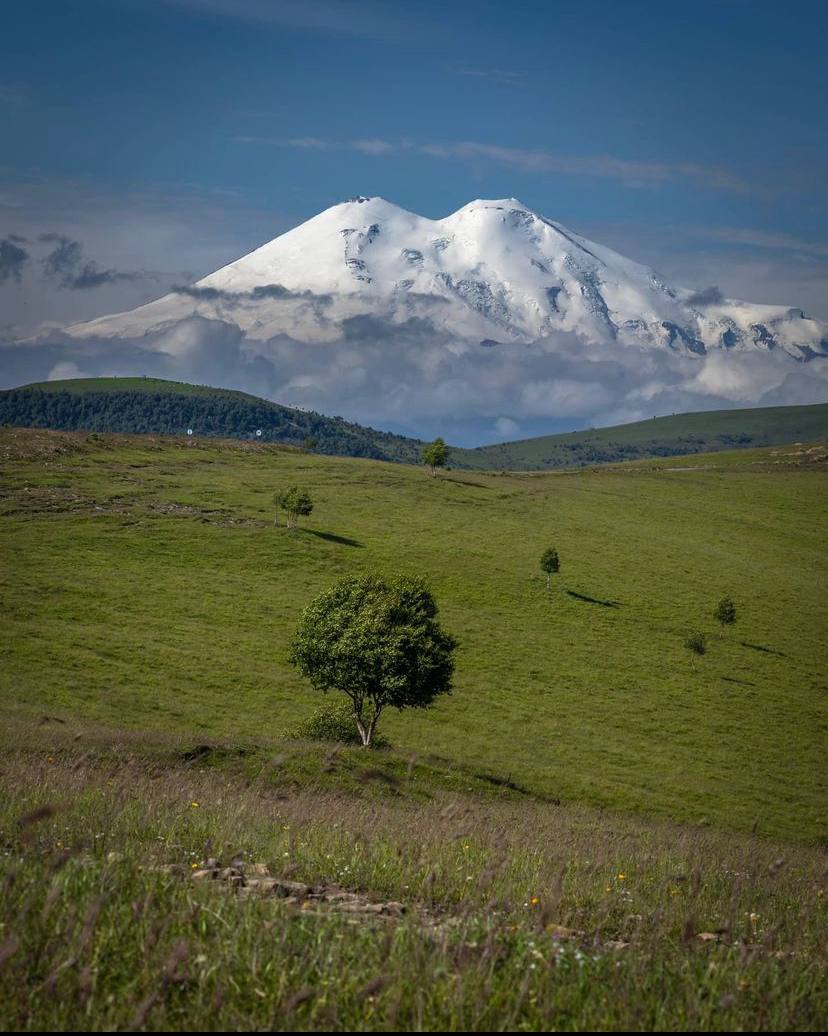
(155, 406)
(145, 587)
(659, 436)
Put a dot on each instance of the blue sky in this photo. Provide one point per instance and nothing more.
(160, 139)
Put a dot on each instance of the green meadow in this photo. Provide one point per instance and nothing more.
(145, 587)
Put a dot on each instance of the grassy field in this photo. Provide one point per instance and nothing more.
(592, 832)
(146, 587)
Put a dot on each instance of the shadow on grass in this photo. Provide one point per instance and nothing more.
(214, 753)
(593, 600)
(744, 683)
(465, 482)
(763, 649)
(331, 537)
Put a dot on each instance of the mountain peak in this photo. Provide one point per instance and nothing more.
(492, 271)
(495, 204)
(363, 206)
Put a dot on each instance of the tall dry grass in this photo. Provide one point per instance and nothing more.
(103, 927)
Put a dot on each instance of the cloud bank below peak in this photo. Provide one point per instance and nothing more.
(411, 378)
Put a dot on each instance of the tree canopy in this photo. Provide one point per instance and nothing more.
(550, 563)
(435, 454)
(725, 613)
(379, 642)
(294, 502)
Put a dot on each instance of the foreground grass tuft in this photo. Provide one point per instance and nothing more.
(519, 914)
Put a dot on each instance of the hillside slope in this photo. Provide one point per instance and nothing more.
(659, 437)
(157, 407)
(146, 586)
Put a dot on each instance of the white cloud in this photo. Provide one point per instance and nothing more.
(62, 371)
(407, 377)
(506, 428)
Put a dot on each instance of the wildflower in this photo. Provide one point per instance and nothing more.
(194, 866)
(194, 805)
(621, 877)
(534, 900)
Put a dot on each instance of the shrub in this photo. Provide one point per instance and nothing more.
(697, 643)
(334, 721)
(725, 613)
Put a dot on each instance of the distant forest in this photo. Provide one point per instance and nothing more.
(220, 415)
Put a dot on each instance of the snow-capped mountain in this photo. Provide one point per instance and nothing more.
(494, 271)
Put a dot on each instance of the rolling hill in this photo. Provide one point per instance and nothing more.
(659, 437)
(158, 407)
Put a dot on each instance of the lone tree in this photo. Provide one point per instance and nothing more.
(435, 454)
(696, 644)
(725, 613)
(294, 502)
(377, 641)
(550, 563)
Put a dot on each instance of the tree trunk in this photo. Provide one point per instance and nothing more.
(372, 726)
(366, 733)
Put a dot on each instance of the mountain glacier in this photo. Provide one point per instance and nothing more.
(493, 272)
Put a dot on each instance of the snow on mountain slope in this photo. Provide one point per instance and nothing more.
(494, 271)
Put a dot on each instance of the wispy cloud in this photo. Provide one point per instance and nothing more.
(502, 76)
(311, 143)
(350, 17)
(630, 172)
(68, 266)
(759, 239)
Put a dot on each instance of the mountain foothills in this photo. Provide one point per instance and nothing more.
(157, 407)
(154, 406)
(492, 272)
